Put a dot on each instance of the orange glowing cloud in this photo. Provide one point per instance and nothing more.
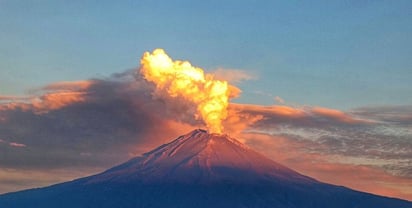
(179, 79)
(242, 116)
(334, 114)
(55, 101)
(61, 94)
(13, 106)
(69, 85)
(274, 110)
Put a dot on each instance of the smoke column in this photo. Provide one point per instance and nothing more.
(179, 79)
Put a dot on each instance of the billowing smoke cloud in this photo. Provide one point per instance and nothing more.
(189, 84)
(116, 119)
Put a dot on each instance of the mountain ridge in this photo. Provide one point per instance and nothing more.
(205, 153)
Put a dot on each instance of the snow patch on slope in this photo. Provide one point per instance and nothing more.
(201, 157)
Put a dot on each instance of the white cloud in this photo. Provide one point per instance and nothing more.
(233, 75)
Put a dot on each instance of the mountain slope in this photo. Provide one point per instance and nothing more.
(199, 157)
(198, 170)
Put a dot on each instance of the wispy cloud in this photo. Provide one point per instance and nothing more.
(269, 117)
(58, 95)
(279, 100)
(394, 115)
(311, 158)
(15, 144)
(334, 114)
(69, 85)
(13, 98)
(233, 76)
(12, 143)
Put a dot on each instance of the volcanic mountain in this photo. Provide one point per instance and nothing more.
(198, 170)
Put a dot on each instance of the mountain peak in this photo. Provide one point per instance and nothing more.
(202, 157)
(203, 132)
(204, 136)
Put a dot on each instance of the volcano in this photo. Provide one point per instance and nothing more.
(198, 170)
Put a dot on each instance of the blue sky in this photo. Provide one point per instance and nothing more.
(338, 54)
